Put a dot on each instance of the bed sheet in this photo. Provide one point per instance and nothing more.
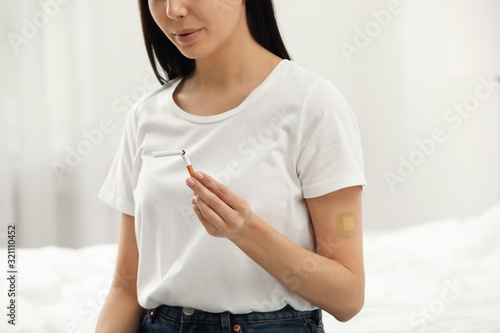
(438, 276)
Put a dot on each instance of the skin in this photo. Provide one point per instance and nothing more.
(229, 65)
(332, 278)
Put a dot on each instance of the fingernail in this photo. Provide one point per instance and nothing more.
(190, 181)
(198, 175)
(192, 201)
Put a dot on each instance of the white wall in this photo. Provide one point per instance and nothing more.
(400, 86)
(90, 56)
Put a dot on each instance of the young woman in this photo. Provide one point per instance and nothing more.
(268, 231)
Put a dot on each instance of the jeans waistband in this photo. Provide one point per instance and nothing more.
(183, 314)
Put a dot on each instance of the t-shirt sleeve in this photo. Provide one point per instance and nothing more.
(117, 190)
(330, 152)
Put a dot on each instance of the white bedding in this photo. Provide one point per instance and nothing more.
(439, 276)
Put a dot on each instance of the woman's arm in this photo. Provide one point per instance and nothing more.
(333, 279)
(121, 312)
(337, 221)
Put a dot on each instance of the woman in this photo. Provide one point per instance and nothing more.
(268, 231)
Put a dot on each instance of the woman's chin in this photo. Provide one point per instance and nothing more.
(191, 54)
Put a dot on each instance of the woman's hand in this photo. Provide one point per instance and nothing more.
(222, 212)
(332, 279)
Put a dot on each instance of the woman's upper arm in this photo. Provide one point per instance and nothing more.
(337, 222)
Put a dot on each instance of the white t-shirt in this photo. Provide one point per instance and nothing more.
(293, 137)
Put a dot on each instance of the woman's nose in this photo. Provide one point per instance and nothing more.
(176, 9)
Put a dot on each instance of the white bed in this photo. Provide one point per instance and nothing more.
(438, 276)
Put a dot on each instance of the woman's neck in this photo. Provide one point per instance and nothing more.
(240, 59)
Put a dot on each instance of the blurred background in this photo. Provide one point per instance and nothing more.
(421, 76)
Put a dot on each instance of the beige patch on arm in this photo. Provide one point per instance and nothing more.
(346, 225)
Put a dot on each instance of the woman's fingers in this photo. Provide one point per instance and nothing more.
(207, 212)
(229, 197)
(214, 194)
(210, 227)
(217, 205)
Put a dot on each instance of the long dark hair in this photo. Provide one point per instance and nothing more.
(161, 51)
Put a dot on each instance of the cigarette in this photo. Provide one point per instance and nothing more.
(176, 152)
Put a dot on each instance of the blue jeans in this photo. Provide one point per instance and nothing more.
(170, 319)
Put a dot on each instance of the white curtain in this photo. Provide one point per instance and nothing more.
(70, 71)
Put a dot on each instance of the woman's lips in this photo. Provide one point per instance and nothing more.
(183, 38)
